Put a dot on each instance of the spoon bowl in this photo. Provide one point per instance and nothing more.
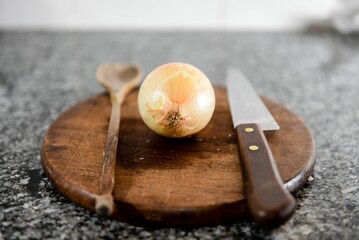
(114, 77)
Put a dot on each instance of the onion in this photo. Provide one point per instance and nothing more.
(176, 100)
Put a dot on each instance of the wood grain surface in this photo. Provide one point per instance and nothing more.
(161, 181)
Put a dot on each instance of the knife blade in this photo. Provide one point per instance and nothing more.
(269, 202)
(247, 107)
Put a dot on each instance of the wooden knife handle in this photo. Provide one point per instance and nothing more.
(269, 202)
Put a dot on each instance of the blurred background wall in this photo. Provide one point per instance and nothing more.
(257, 15)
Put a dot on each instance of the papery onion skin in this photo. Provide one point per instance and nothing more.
(176, 100)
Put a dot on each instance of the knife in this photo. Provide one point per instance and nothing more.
(269, 202)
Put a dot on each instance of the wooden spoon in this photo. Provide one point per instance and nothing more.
(118, 80)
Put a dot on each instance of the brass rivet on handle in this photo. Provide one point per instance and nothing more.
(253, 147)
(249, 129)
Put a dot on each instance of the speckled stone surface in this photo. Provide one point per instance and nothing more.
(314, 74)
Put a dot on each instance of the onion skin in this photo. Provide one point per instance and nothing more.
(176, 100)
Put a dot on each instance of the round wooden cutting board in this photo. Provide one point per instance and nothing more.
(162, 181)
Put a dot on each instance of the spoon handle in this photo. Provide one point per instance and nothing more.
(104, 202)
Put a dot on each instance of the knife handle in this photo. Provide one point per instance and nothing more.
(269, 202)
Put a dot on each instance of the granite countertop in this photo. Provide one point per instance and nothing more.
(314, 74)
